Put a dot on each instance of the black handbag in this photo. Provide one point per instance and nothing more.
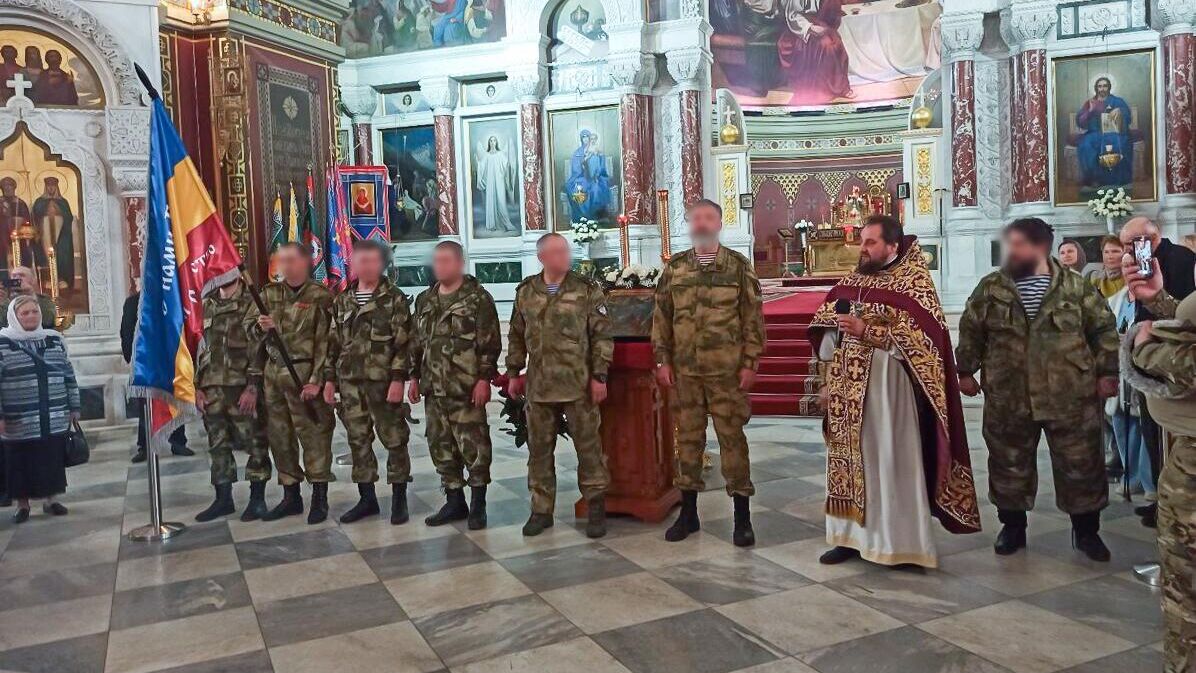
(77, 450)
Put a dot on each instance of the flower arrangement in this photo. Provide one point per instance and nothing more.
(630, 277)
(1110, 202)
(585, 231)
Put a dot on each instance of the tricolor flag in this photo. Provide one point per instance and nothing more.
(314, 241)
(340, 240)
(187, 253)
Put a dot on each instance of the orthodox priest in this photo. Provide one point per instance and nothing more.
(897, 451)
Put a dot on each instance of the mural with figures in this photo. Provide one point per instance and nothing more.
(378, 27)
(810, 53)
(58, 76)
(410, 158)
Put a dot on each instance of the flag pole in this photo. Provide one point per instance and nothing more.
(156, 530)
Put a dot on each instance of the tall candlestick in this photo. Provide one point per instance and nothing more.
(14, 252)
(52, 258)
(662, 218)
(624, 240)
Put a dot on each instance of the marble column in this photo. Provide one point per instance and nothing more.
(441, 94)
(634, 74)
(688, 67)
(962, 34)
(528, 88)
(1029, 24)
(1179, 74)
(361, 102)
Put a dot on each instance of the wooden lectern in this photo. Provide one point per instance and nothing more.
(637, 425)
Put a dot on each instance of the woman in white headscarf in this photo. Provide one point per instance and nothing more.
(39, 400)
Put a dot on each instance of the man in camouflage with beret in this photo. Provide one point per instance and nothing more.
(299, 310)
(367, 360)
(454, 354)
(707, 335)
(1045, 343)
(229, 402)
(561, 333)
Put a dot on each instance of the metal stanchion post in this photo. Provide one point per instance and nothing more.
(157, 530)
(1151, 573)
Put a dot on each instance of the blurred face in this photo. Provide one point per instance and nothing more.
(555, 256)
(1110, 255)
(1068, 255)
(704, 225)
(368, 264)
(874, 252)
(447, 265)
(1021, 256)
(25, 275)
(295, 266)
(29, 315)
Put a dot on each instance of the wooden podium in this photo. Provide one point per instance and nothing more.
(637, 437)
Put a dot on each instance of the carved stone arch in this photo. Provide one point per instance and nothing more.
(531, 18)
(107, 57)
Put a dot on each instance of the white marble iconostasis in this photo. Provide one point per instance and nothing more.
(640, 85)
(101, 150)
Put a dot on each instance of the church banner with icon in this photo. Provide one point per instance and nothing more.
(365, 190)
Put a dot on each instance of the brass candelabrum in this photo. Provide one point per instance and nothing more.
(662, 219)
(25, 234)
(624, 240)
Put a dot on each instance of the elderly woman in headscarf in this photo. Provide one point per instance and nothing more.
(39, 401)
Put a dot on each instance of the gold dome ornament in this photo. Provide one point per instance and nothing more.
(921, 116)
(729, 133)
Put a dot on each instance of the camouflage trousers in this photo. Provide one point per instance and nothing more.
(1077, 458)
(585, 428)
(458, 440)
(1177, 553)
(292, 422)
(363, 410)
(719, 397)
(230, 430)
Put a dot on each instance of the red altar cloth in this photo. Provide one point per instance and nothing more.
(637, 437)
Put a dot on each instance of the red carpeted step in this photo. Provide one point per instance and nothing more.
(783, 384)
(785, 405)
(788, 348)
(786, 331)
(786, 365)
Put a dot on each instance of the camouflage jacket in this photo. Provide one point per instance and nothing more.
(369, 342)
(49, 311)
(227, 355)
(1169, 357)
(1052, 361)
(456, 339)
(303, 318)
(562, 339)
(708, 320)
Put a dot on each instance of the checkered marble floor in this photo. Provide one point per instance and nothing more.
(77, 597)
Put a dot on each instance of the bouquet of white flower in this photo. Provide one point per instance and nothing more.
(1110, 202)
(630, 277)
(585, 231)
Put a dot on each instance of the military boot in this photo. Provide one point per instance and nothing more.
(398, 504)
(687, 521)
(536, 524)
(743, 535)
(319, 503)
(290, 505)
(221, 506)
(367, 505)
(1086, 536)
(1013, 534)
(454, 508)
(596, 517)
(477, 507)
(256, 507)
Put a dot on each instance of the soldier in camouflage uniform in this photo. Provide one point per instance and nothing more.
(228, 401)
(561, 333)
(707, 335)
(454, 354)
(367, 358)
(1041, 371)
(300, 310)
(1162, 364)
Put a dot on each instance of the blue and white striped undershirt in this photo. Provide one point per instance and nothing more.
(1032, 289)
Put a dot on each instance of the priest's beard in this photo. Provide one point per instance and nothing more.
(869, 266)
(1020, 268)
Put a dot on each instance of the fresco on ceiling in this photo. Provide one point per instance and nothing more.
(380, 27)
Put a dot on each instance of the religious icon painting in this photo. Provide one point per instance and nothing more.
(47, 70)
(409, 154)
(365, 194)
(585, 152)
(378, 27)
(492, 170)
(1104, 123)
(41, 219)
(486, 92)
